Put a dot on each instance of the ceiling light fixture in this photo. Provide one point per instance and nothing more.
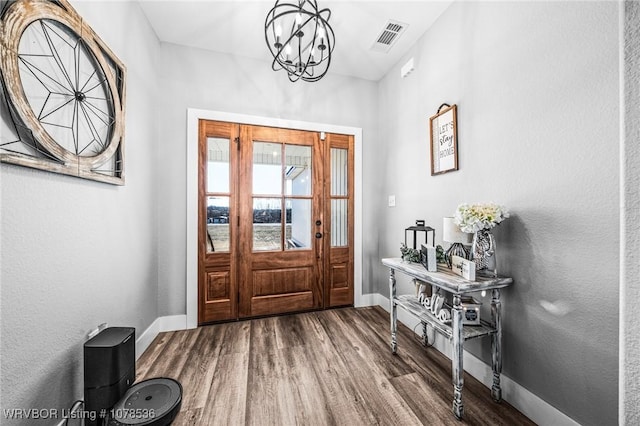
(305, 49)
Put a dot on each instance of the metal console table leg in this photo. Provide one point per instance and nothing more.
(496, 345)
(425, 337)
(394, 312)
(456, 358)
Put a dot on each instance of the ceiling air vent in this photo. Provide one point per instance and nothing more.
(388, 36)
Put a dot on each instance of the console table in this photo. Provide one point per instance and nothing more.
(447, 281)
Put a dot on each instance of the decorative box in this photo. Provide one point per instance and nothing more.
(470, 310)
(428, 257)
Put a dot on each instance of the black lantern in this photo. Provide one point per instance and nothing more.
(415, 230)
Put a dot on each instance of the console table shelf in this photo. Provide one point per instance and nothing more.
(411, 305)
(445, 280)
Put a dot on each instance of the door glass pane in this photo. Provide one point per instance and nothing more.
(267, 224)
(218, 165)
(339, 171)
(298, 224)
(339, 237)
(267, 168)
(217, 224)
(297, 170)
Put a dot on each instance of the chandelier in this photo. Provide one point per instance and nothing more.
(300, 39)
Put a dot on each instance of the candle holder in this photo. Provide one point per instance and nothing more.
(456, 249)
(457, 238)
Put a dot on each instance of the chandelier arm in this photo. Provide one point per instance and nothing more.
(272, 23)
(331, 37)
(304, 63)
(328, 11)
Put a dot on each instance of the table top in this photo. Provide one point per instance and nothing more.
(446, 279)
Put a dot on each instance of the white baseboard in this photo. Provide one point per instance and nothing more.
(366, 300)
(526, 402)
(160, 325)
(173, 323)
(144, 340)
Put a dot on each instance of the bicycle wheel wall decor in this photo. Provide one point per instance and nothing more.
(63, 93)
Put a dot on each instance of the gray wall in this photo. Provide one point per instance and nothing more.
(195, 78)
(77, 253)
(630, 245)
(537, 89)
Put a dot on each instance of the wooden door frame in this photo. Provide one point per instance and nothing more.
(193, 116)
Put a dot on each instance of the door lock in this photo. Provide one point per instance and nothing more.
(318, 223)
(318, 235)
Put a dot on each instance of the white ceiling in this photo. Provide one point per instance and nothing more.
(237, 27)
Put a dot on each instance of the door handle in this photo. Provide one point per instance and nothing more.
(318, 235)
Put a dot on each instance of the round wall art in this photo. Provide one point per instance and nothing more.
(63, 93)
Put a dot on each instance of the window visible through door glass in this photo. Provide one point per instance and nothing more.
(267, 224)
(217, 224)
(267, 168)
(218, 195)
(297, 170)
(218, 165)
(298, 224)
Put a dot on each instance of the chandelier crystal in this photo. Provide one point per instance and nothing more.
(300, 39)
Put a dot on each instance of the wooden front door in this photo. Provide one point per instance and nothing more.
(278, 237)
(280, 221)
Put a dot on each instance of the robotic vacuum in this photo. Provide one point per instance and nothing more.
(153, 402)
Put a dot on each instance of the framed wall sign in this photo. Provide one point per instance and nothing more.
(444, 140)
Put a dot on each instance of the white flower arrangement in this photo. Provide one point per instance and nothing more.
(472, 218)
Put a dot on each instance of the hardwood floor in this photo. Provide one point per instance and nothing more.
(330, 367)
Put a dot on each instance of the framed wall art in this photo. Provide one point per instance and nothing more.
(444, 140)
(62, 103)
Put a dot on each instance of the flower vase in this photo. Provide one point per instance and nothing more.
(483, 252)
